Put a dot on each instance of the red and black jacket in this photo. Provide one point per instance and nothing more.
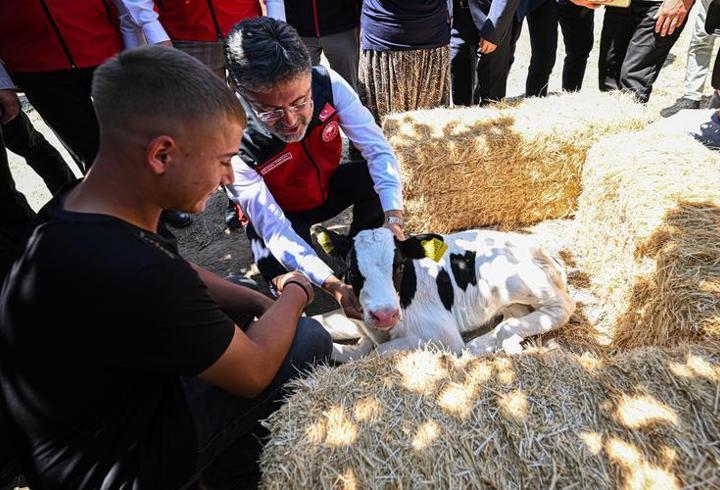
(53, 35)
(298, 174)
(203, 20)
(316, 18)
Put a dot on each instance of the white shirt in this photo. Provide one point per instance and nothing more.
(256, 201)
(5, 80)
(139, 23)
(276, 9)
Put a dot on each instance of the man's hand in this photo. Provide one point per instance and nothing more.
(395, 228)
(671, 16)
(167, 43)
(590, 5)
(486, 47)
(345, 296)
(294, 279)
(9, 105)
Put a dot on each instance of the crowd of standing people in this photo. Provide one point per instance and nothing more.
(123, 365)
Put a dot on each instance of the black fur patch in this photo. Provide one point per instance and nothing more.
(463, 268)
(353, 277)
(408, 285)
(445, 289)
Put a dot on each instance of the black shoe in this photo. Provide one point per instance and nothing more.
(709, 132)
(176, 219)
(679, 105)
(232, 216)
(714, 102)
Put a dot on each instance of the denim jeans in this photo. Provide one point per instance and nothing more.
(229, 436)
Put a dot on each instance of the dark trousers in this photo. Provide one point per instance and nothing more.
(230, 439)
(478, 79)
(23, 139)
(351, 185)
(631, 53)
(577, 28)
(62, 98)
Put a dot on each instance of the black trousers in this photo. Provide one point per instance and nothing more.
(23, 139)
(631, 53)
(62, 98)
(478, 79)
(576, 24)
(350, 186)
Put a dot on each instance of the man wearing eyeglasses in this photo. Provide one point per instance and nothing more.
(288, 175)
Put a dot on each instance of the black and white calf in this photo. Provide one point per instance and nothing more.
(410, 300)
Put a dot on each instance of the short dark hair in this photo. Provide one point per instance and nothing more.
(264, 51)
(162, 82)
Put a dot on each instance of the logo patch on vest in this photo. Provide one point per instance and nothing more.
(330, 132)
(270, 166)
(326, 112)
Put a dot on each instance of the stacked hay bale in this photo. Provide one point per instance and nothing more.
(648, 235)
(645, 419)
(508, 165)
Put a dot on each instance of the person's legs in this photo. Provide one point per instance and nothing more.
(646, 53)
(463, 44)
(618, 28)
(227, 426)
(699, 53)
(543, 29)
(313, 46)
(577, 24)
(23, 139)
(493, 69)
(343, 52)
(62, 98)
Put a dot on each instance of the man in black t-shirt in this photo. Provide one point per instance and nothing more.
(120, 366)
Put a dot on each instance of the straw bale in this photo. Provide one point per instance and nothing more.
(647, 418)
(509, 165)
(648, 234)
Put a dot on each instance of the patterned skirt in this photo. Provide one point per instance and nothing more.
(398, 81)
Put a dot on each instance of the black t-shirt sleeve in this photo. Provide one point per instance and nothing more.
(167, 323)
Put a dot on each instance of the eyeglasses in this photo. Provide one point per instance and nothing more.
(277, 114)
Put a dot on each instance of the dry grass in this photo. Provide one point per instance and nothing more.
(648, 234)
(510, 165)
(644, 419)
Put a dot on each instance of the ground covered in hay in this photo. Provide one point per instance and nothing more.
(642, 419)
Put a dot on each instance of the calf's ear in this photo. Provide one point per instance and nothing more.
(430, 245)
(332, 243)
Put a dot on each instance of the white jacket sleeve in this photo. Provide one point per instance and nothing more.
(5, 80)
(256, 201)
(142, 15)
(276, 9)
(359, 126)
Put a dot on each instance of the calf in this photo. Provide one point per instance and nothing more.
(410, 300)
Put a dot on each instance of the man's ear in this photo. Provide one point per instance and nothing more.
(333, 243)
(160, 152)
(420, 246)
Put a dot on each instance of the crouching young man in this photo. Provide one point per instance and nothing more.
(121, 364)
(288, 175)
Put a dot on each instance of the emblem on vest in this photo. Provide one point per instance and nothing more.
(330, 132)
(327, 111)
(270, 166)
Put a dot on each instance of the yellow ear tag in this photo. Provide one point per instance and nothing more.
(434, 249)
(325, 242)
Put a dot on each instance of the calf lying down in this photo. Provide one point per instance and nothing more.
(410, 300)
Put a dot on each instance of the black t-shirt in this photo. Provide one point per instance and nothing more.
(398, 25)
(99, 320)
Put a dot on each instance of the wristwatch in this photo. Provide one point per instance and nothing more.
(394, 220)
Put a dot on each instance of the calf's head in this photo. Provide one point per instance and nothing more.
(380, 270)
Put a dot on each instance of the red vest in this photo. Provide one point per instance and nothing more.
(298, 174)
(203, 20)
(49, 35)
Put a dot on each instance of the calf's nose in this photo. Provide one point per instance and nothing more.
(386, 317)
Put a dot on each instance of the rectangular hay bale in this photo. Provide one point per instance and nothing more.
(502, 165)
(648, 234)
